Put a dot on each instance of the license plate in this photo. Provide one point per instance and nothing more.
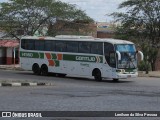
(128, 76)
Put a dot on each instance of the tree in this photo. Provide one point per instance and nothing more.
(141, 23)
(76, 27)
(33, 15)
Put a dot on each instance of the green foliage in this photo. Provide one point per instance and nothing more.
(144, 66)
(33, 15)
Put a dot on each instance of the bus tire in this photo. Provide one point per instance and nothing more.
(36, 70)
(97, 75)
(44, 70)
(61, 75)
(115, 80)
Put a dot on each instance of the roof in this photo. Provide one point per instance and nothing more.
(9, 43)
(80, 38)
(2, 34)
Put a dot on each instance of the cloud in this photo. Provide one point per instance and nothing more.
(97, 9)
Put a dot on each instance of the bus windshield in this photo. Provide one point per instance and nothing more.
(128, 56)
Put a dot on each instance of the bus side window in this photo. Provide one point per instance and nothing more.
(72, 47)
(29, 44)
(97, 48)
(23, 41)
(61, 46)
(84, 47)
(39, 45)
(49, 45)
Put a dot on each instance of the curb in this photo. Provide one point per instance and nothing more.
(147, 75)
(154, 76)
(9, 68)
(25, 84)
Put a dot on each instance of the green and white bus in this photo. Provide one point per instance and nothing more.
(83, 56)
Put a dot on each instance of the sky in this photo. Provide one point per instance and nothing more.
(96, 9)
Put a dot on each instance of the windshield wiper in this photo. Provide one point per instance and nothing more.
(129, 60)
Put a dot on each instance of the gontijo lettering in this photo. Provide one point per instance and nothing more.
(80, 58)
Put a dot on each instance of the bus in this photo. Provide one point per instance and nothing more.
(83, 56)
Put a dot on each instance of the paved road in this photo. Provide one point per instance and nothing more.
(79, 94)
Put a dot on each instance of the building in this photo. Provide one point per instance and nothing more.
(7, 51)
(105, 30)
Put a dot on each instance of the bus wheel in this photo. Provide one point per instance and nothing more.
(61, 75)
(115, 80)
(44, 70)
(36, 70)
(97, 75)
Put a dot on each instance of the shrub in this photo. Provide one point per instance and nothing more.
(144, 66)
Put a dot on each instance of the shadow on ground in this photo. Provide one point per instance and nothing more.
(78, 78)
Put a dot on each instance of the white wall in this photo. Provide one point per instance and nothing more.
(9, 52)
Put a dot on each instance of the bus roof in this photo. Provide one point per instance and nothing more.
(80, 38)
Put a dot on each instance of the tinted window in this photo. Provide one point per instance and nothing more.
(72, 47)
(110, 54)
(60, 46)
(97, 48)
(29, 44)
(39, 45)
(23, 44)
(49, 45)
(108, 47)
(84, 47)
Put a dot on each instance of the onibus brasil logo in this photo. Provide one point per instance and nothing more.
(21, 114)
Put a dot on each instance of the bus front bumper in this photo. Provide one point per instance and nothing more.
(126, 75)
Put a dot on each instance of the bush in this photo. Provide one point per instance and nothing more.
(144, 66)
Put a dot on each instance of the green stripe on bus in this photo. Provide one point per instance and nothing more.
(83, 58)
(67, 57)
(41, 55)
(129, 70)
(54, 56)
(32, 55)
(57, 63)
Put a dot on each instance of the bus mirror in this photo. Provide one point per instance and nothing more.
(119, 55)
(141, 54)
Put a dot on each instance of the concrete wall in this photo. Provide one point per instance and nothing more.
(9, 56)
(104, 35)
